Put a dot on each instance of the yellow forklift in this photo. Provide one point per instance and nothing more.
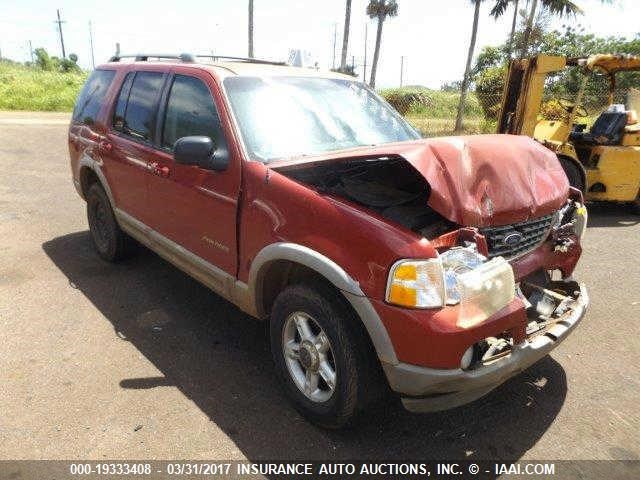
(604, 160)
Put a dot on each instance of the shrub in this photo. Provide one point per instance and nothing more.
(489, 87)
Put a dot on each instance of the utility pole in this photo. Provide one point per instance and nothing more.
(364, 73)
(93, 61)
(401, 69)
(60, 22)
(31, 52)
(117, 49)
(250, 28)
(335, 35)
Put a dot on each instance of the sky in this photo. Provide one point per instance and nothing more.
(432, 35)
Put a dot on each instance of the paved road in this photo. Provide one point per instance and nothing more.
(139, 361)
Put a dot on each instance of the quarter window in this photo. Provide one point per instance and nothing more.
(91, 97)
(191, 111)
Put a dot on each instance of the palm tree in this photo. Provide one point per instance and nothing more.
(250, 28)
(555, 7)
(380, 9)
(498, 10)
(465, 79)
(345, 36)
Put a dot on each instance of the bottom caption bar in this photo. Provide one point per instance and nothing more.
(153, 469)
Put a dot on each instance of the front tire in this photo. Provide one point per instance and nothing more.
(108, 239)
(320, 355)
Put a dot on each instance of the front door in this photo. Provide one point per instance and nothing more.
(194, 207)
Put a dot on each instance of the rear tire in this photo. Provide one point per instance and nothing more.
(324, 362)
(109, 240)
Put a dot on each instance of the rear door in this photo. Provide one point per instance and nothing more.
(130, 141)
(194, 207)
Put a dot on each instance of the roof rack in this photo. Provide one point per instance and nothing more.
(241, 59)
(143, 57)
(190, 58)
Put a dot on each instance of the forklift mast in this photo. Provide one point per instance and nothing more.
(522, 95)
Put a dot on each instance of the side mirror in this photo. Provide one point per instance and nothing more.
(200, 151)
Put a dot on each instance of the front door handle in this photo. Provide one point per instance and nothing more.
(161, 171)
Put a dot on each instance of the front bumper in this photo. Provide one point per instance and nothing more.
(426, 389)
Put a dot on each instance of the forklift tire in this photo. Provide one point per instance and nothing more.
(574, 173)
(635, 206)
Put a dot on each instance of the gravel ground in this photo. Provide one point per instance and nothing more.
(137, 360)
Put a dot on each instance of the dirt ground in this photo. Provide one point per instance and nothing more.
(137, 360)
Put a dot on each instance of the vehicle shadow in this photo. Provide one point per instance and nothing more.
(611, 215)
(218, 357)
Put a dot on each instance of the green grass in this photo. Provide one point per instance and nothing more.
(28, 88)
(434, 103)
(433, 112)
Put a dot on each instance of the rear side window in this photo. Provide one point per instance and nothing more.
(92, 95)
(190, 111)
(136, 107)
(121, 105)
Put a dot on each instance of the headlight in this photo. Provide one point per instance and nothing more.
(484, 291)
(416, 283)
(456, 261)
(459, 275)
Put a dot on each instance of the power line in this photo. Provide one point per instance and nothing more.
(60, 22)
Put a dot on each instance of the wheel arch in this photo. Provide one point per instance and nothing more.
(89, 173)
(283, 263)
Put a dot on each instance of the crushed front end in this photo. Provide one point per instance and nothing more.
(488, 290)
(506, 304)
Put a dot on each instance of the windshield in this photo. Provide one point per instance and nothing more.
(282, 117)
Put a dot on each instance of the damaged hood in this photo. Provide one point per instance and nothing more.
(477, 180)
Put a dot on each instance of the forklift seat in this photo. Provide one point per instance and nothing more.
(607, 130)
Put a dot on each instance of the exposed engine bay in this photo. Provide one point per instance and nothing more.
(389, 186)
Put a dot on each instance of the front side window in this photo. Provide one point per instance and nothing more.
(91, 97)
(282, 117)
(135, 116)
(190, 111)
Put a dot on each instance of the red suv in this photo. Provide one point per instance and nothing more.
(436, 269)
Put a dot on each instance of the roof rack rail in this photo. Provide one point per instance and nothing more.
(190, 58)
(143, 57)
(242, 59)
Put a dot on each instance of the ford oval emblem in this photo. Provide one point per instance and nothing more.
(513, 239)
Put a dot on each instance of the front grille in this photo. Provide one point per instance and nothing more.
(533, 233)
